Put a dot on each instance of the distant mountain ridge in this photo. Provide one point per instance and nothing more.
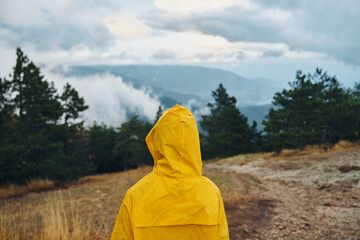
(181, 84)
(185, 82)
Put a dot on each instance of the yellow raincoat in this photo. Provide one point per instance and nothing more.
(174, 201)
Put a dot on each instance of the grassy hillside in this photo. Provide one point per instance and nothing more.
(295, 195)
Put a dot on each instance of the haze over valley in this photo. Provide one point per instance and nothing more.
(165, 85)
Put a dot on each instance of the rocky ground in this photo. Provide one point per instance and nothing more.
(316, 196)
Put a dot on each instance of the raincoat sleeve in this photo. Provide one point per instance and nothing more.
(223, 226)
(122, 229)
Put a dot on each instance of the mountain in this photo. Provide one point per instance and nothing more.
(188, 84)
(256, 113)
(183, 83)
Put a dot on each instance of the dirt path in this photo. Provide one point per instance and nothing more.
(298, 198)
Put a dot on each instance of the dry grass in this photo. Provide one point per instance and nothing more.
(40, 185)
(234, 187)
(33, 186)
(61, 223)
(57, 219)
(85, 209)
(291, 154)
(342, 145)
(292, 159)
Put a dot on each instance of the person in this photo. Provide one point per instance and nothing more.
(174, 201)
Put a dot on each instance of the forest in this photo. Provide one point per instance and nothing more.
(42, 135)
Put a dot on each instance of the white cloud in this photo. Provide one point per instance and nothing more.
(196, 109)
(7, 59)
(52, 25)
(200, 40)
(196, 6)
(109, 98)
(272, 53)
(224, 34)
(126, 25)
(164, 54)
(22, 14)
(279, 16)
(302, 25)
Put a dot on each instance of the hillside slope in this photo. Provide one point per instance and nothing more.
(307, 194)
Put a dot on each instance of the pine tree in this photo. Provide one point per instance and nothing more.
(158, 114)
(130, 147)
(356, 112)
(315, 110)
(102, 142)
(34, 138)
(18, 80)
(36, 99)
(228, 130)
(72, 104)
(6, 108)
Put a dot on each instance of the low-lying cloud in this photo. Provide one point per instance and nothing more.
(110, 100)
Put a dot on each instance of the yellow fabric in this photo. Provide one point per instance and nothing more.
(174, 201)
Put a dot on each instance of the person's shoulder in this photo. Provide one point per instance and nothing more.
(137, 191)
(141, 184)
(210, 184)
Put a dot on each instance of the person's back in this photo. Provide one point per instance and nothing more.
(174, 201)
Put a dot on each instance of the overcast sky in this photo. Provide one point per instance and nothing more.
(269, 39)
(254, 38)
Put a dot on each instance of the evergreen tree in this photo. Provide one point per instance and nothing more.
(356, 91)
(102, 142)
(18, 80)
(158, 114)
(72, 104)
(130, 147)
(6, 108)
(315, 110)
(228, 130)
(33, 140)
(355, 112)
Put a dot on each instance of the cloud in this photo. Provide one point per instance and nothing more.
(126, 25)
(233, 23)
(329, 27)
(272, 53)
(204, 56)
(197, 109)
(240, 55)
(110, 100)
(237, 55)
(53, 25)
(164, 54)
(192, 6)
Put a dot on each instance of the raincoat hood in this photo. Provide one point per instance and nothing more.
(174, 144)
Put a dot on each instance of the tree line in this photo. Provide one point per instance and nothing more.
(315, 110)
(42, 134)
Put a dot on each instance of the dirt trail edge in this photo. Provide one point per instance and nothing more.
(309, 197)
